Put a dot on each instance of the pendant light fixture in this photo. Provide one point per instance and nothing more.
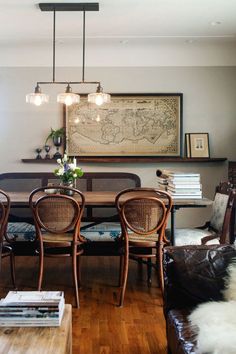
(68, 97)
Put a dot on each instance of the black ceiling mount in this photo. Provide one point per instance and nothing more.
(83, 6)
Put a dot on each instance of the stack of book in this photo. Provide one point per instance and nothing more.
(32, 309)
(184, 185)
(162, 180)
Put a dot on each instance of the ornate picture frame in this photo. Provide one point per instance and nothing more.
(132, 125)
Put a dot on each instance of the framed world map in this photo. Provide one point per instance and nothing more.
(131, 125)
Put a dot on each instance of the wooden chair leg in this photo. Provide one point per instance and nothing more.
(41, 266)
(13, 274)
(149, 272)
(78, 271)
(124, 279)
(121, 270)
(74, 267)
(160, 260)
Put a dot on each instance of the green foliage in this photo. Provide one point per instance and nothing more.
(55, 133)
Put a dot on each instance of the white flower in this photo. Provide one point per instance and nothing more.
(60, 171)
(74, 175)
(64, 158)
(58, 160)
(72, 166)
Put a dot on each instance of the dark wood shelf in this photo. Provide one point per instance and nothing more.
(135, 159)
(39, 160)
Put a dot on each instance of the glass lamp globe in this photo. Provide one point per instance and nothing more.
(68, 97)
(37, 98)
(99, 97)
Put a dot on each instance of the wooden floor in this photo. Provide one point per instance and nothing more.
(99, 326)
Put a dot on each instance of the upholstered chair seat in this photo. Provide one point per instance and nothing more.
(190, 236)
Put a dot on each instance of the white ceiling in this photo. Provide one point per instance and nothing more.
(121, 23)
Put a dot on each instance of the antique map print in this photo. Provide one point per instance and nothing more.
(132, 125)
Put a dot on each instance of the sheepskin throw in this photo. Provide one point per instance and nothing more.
(215, 322)
(230, 283)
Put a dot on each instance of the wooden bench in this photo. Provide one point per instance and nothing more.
(38, 340)
(90, 181)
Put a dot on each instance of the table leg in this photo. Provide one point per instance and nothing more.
(172, 226)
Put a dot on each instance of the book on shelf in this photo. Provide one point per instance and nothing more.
(185, 196)
(184, 191)
(184, 182)
(162, 183)
(185, 186)
(162, 180)
(162, 187)
(184, 179)
(181, 174)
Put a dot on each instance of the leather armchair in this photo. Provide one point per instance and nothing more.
(192, 275)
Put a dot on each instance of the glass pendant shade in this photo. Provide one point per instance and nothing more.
(99, 97)
(37, 98)
(68, 97)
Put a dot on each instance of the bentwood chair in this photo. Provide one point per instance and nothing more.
(143, 214)
(217, 229)
(57, 220)
(6, 250)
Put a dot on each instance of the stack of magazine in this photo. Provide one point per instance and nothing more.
(184, 185)
(32, 309)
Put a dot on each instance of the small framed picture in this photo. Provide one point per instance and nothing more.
(187, 146)
(197, 145)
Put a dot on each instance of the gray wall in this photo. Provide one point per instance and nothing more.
(209, 106)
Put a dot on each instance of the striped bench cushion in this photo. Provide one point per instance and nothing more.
(21, 231)
(106, 231)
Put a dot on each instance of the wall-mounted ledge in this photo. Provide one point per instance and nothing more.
(135, 159)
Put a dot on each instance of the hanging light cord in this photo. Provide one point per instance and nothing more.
(83, 61)
(54, 46)
(54, 59)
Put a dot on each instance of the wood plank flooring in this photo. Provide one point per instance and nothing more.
(99, 326)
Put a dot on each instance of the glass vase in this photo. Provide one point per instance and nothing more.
(66, 191)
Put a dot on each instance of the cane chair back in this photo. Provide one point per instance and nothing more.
(4, 212)
(143, 214)
(143, 210)
(6, 250)
(57, 220)
(57, 213)
(222, 208)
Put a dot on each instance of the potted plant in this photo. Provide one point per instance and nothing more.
(56, 136)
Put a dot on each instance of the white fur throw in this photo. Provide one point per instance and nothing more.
(215, 322)
(230, 283)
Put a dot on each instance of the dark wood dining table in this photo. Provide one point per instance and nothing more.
(105, 198)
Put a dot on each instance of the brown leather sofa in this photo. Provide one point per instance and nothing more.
(192, 275)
